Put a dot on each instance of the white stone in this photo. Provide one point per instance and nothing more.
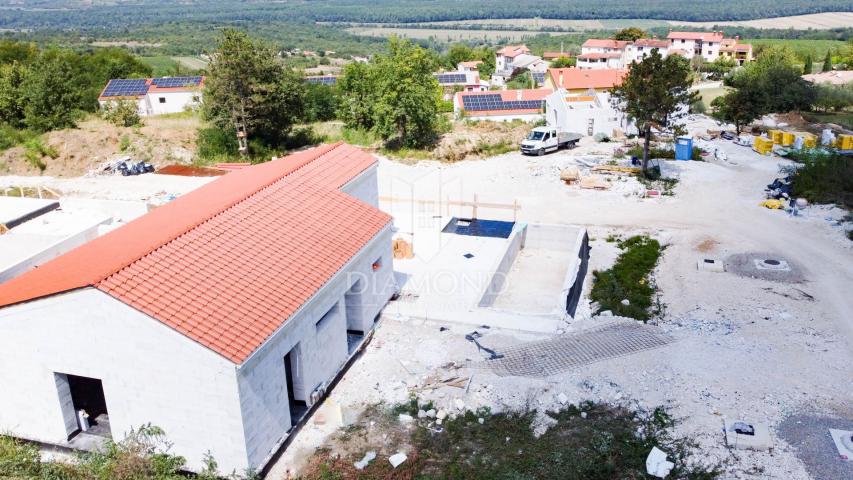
(562, 398)
(431, 413)
(405, 419)
(657, 464)
(421, 414)
(441, 415)
(583, 414)
(481, 420)
(368, 457)
(625, 302)
(397, 459)
(460, 404)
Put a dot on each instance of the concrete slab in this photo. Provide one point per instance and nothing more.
(843, 440)
(17, 210)
(758, 438)
(710, 265)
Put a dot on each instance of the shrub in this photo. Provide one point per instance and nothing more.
(123, 113)
(214, 143)
(629, 278)
(823, 177)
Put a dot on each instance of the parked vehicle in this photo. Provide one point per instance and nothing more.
(542, 140)
(728, 135)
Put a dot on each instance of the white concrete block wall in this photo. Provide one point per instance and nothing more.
(262, 380)
(364, 187)
(172, 102)
(150, 374)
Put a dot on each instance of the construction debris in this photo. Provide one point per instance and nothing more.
(594, 182)
(570, 174)
(402, 249)
(748, 436)
(657, 465)
(397, 459)
(368, 457)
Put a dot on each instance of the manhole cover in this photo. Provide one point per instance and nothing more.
(771, 264)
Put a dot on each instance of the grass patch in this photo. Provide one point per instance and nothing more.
(161, 65)
(845, 119)
(816, 48)
(12, 137)
(629, 278)
(586, 442)
(823, 177)
(35, 150)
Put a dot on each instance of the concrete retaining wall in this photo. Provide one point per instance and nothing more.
(515, 242)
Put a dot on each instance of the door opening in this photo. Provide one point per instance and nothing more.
(298, 408)
(90, 405)
(354, 301)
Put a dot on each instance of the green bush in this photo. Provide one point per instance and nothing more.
(629, 278)
(213, 143)
(123, 113)
(823, 177)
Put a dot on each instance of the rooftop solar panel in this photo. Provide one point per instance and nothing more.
(330, 80)
(172, 82)
(451, 78)
(126, 88)
(475, 103)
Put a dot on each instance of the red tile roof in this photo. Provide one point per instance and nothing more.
(576, 78)
(598, 56)
(652, 42)
(228, 263)
(513, 51)
(555, 55)
(704, 36)
(605, 43)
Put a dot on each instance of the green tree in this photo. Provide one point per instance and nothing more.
(51, 97)
(11, 94)
(774, 83)
(408, 95)
(739, 107)
(563, 62)
(807, 65)
(357, 88)
(629, 34)
(458, 52)
(123, 113)
(21, 52)
(395, 96)
(321, 102)
(719, 68)
(247, 83)
(654, 94)
(827, 62)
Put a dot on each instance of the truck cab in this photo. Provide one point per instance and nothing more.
(542, 140)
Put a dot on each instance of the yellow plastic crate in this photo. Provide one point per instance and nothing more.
(775, 136)
(809, 139)
(762, 145)
(844, 142)
(787, 138)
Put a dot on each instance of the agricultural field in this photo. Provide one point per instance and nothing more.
(164, 65)
(815, 21)
(193, 63)
(446, 35)
(816, 48)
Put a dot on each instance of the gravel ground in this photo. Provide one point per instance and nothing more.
(809, 435)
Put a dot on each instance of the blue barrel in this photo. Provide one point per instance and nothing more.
(683, 148)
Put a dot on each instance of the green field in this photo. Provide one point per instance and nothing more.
(161, 65)
(816, 48)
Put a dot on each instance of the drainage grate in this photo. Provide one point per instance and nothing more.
(563, 353)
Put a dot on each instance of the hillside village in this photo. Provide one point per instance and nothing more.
(630, 259)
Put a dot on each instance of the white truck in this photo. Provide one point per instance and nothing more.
(541, 140)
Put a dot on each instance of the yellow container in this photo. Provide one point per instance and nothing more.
(787, 139)
(844, 142)
(763, 145)
(775, 136)
(809, 139)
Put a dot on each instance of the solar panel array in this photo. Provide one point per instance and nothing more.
(322, 80)
(450, 78)
(493, 101)
(126, 88)
(171, 82)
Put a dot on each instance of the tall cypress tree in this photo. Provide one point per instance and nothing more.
(827, 62)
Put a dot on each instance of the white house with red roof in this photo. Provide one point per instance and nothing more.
(220, 317)
(155, 96)
(697, 44)
(641, 48)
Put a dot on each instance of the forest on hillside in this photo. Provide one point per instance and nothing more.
(116, 14)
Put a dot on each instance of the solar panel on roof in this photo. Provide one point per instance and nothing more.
(126, 88)
(475, 103)
(451, 78)
(172, 82)
(322, 80)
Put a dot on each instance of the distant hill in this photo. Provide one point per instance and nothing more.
(63, 14)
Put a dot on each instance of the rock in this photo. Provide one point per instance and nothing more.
(481, 420)
(421, 414)
(439, 421)
(397, 459)
(460, 404)
(431, 413)
(583, 414)
(606, 313)
(625, 302)
(441, 415)
(657, 464)
(405, 419)
(562, 398)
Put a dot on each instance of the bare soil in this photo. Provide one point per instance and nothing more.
(160, 141)
(479, 139)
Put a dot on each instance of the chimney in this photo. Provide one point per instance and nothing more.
(561, 79)
(518, 95)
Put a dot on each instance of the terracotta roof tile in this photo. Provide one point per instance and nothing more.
(228, 263)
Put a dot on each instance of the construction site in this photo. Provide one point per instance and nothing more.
(493, 263)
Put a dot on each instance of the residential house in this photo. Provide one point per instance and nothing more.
(505, 57)
(602, 53)
(641, 48)
(460, 81)
(586, 113)
(514, 59)
(576, 80)
(501, 106)
(702, 44)
(732, 49)
(155, 96)
(471, 66)
(220, 317)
